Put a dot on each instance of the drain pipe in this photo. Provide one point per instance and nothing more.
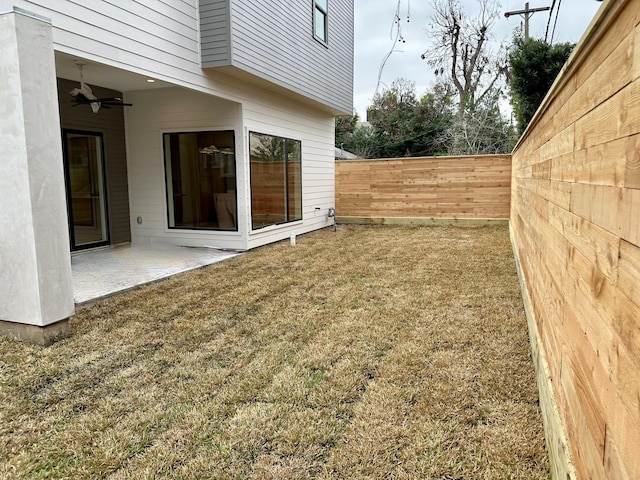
(332, 214)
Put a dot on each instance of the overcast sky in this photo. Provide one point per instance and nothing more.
(373, 40)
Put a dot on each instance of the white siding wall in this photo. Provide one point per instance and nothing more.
(274, 41)
(173, 110)
(154, 38)
(160, 39)
(177, 110)
(151, 37)
(215, 33)
(271, 115)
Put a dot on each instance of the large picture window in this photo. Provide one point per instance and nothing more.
(276, 180)
(320, 20)
(200, 169)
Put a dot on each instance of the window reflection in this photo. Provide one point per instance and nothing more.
(200, 172)
(276, 180)
(320, 14)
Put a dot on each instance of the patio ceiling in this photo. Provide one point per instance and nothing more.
(96, 73)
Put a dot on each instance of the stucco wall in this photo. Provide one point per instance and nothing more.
(575, 223)
(35, 266)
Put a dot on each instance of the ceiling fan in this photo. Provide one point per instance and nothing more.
(84, 96)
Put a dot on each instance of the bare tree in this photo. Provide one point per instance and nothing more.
(460, 49)
(481, 130)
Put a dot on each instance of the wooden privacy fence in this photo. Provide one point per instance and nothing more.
(575, 225)
(387, 190)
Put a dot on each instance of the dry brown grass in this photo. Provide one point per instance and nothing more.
(373, 352)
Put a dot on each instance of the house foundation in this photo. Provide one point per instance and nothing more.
(43, 336)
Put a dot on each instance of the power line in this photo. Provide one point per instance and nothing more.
(553, 32)
(398, 38)
(546, 33)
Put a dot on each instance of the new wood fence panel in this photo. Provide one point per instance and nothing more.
(632, 166)
(439, 187)
(575, 224)
(603, 164)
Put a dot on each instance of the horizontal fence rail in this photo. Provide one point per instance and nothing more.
(575, 225)
(466, 187)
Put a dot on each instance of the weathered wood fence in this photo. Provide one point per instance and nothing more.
(416, 189)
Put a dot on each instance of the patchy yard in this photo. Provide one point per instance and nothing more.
(373, 352)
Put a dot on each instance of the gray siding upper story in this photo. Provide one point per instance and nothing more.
(274, 40)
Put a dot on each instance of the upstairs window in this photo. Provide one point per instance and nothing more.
(320, 17)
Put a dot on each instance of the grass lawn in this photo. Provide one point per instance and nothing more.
(373, 352)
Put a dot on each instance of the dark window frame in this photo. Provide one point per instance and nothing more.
(287, 186)
(320, 10)
(67, 177)
(168, 192)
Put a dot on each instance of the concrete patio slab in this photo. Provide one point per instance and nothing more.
(104, 272)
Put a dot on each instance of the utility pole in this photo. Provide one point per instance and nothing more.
(526, 13)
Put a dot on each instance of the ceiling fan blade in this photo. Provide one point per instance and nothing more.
(85, 96)
(118, 104)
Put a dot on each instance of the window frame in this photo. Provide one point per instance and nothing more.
(168, 192)
(317, 8)
(102, 187)
(287, 185)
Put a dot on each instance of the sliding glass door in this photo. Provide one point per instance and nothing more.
(86, 193)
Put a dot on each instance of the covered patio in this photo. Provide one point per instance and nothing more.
(103, 272)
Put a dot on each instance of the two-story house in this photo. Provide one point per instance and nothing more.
(196, 123)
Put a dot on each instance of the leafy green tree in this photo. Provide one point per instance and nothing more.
(345, 128)
(403, 126)
(390, 116)
(534, 66)
(364, 143)
(266, 148)
(433, 117)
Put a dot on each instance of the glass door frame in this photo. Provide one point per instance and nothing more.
(67, 178)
